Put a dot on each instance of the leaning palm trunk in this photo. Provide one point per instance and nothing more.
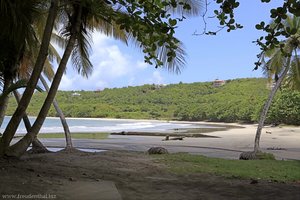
(37, 70)
(37, 146)
(61, 116)
(4, 101)
(21, 146)
(254, 154)
(268, 104)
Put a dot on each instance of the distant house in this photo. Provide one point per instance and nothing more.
(75, 94)
(159, 86)
(218, 83)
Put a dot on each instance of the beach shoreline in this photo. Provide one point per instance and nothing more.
(126, 171)
(283, 142)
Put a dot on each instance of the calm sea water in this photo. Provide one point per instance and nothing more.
(53, 125)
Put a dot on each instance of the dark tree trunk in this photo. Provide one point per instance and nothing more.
(25, 100)
(267, 105)
(254, 154)
(37, 146)
(61, 116)
(4, 100)
(20, 147)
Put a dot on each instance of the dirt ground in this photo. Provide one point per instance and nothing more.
(135, 175)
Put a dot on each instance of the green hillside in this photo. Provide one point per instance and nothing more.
(238, 100)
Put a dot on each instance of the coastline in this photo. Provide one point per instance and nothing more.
(283, 142)
(148, 120)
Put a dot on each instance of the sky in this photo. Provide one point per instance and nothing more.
(224, 56)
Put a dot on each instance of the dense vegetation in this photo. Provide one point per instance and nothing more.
(238, 100)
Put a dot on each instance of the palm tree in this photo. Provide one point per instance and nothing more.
(81, 16)
(19, 14)
(283, 65)
(25, 71)
(15, 15)
(24, 66)
(61, 115)
(37, 146)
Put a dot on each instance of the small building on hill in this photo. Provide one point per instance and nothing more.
(218, 83)
(75, 94)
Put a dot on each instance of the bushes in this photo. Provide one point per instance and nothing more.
(286, 108)
(238, 100)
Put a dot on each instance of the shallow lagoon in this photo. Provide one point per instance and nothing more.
(53, 125)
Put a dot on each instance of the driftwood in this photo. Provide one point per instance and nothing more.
(175, 135)
(174, 138)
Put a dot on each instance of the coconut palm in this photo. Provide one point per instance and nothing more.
(81, 17)
(15, 15)
(61, 115)
(19, 18)
(24, 65)
(37, 146)
(282, 66)
(25, 71)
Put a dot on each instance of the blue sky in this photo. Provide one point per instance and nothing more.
(224, 56)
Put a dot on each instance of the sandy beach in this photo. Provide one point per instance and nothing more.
(282, 141)
(125, 172)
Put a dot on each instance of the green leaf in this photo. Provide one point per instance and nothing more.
(172, 22)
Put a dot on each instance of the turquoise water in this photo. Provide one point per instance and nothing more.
(53, 125)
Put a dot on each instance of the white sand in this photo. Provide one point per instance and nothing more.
(283, 142)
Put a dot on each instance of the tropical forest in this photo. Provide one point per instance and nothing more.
(219, 131)
(238, 100)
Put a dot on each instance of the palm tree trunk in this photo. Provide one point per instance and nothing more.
(21, 146)
(37, 70)
(4, 100)
(267, 105)
(61, 116)
(37, 146)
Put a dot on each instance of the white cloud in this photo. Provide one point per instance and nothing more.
(113, 67)
(66, 83)
(141, 65)
(157, 77)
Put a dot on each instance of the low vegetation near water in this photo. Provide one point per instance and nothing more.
(269, 170)
(238, 100)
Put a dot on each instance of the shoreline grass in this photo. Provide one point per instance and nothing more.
(88, 135)
(269, 170)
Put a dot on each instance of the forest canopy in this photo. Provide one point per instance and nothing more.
(239, 100)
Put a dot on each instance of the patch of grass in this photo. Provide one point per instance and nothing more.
(98, 136)
(274, 170)
(265, 156)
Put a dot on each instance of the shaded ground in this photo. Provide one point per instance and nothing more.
(135, 175)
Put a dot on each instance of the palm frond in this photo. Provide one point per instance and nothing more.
(80, 54)
(175, 64)
(53, 55)
(48, 70)
(22, 83)
(195, 7)
(293, 78)
(97, 19)
(25, 67)
(110, 29)
(59, 40)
